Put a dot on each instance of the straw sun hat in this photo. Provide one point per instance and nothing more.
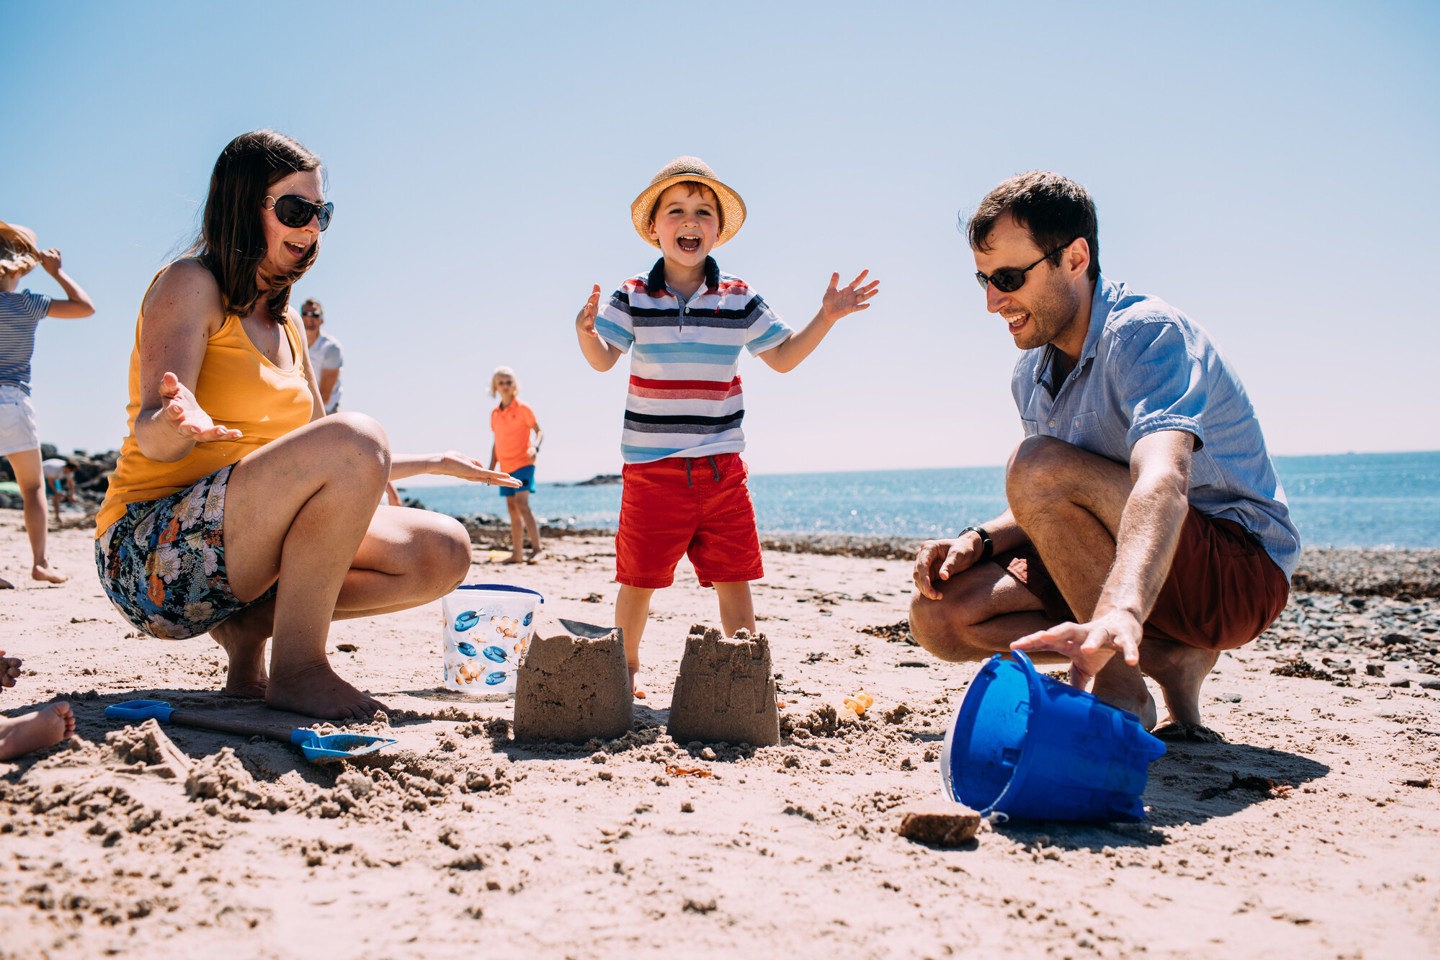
(19, 249)
(679, 170)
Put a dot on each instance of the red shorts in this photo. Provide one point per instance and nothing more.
(1223, 589)
(680, 505)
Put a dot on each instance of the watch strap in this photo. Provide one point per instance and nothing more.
(987, 546)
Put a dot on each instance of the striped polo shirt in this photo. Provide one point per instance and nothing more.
(19, 314)
(684, 398)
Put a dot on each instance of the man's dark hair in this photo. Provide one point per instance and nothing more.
(1055, 211)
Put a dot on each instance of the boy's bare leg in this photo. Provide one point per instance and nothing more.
(737, 610)
(632, 609)
(29, 475)
(36, 730)
(517, 530)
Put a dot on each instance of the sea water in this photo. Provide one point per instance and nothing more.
(1387, 500)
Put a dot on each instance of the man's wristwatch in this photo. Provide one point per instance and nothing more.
(987, 546)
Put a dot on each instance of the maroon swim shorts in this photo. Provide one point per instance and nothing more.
(1223, 589)
(680, 505)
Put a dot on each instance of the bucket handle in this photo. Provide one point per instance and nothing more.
(990, 814)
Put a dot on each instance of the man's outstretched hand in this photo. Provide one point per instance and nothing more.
(1089, 646)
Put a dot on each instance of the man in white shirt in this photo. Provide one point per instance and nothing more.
(325, 354)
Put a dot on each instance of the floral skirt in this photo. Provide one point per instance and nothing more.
(163, 563)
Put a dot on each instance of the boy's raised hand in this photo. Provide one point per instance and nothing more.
(846, 300)
(585, 319)
(183, 414)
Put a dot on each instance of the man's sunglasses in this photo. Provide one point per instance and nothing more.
(1010, 279)
(311, 313)
(296, 211)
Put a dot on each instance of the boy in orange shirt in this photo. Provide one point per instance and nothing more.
(512, 422)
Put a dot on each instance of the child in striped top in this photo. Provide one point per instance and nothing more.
(684, 323)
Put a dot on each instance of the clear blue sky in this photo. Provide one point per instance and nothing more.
(1272, 169)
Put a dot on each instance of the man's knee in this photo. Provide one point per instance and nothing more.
(942, 627)
(1040, 469)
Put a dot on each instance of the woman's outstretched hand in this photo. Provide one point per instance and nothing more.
(183, 414)
(453, 463)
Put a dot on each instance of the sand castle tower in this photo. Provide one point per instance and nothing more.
(574, 686)
(725, 691)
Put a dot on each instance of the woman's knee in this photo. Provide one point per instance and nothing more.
(442, 553)
(356, 442)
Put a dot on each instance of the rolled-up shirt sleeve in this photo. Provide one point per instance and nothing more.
(613, 324)
(1162, 383)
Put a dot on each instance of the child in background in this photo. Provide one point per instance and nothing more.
(684, 482)
(59, 483)
(20, 311)
(35, 730)
(513, 422)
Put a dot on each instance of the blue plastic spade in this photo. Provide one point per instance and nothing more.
(317, 748)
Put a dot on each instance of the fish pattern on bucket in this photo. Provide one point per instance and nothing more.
(487, 659)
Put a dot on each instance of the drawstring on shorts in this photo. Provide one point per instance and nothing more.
(714, 468)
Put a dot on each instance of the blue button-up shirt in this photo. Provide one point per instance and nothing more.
(1147, 367)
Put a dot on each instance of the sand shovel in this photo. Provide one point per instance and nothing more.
(317, 748)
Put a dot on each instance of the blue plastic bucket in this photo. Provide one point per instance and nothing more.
(1028, 746)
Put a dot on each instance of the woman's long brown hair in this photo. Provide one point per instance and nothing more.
(231, 243)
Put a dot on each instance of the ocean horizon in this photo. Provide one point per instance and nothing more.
(1356, 500)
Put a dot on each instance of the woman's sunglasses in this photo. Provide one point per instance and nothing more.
(1010, 279)
(296, 211)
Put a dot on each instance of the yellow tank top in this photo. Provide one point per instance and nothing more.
(240, 389)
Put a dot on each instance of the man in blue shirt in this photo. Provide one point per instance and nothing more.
(1145, 518)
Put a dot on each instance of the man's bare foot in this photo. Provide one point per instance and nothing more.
(1122, 686)
(318, 691)
(243, 638)
(36, 730)
(47, 574)
(1179, 670)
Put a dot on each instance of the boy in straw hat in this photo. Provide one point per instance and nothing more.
(19, 314)
(684, 323)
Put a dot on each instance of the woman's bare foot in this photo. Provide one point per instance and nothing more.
(243, 638)
(535, 554)
(513, 558)
(47, 574)
(36, 730)
(637, 686)
(318, 691)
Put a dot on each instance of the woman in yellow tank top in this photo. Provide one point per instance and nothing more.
(238, 508)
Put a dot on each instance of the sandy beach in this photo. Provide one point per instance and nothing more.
(1313, 830)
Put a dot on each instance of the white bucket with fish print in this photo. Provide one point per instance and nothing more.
(487, 629)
